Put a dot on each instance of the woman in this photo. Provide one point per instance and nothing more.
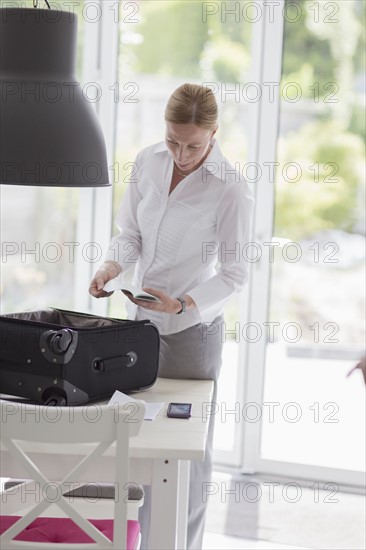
(185, 209)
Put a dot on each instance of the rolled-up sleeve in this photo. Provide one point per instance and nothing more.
(125, 247)
(234, 226)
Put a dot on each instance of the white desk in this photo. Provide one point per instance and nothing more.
(160, 457)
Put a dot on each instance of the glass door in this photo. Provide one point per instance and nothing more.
(312, 417)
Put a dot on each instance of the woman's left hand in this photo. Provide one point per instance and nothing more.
(166, 304)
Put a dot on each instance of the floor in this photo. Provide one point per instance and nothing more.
(213, 541)
(282, 518)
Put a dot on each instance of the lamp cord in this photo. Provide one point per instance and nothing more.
(35, 4)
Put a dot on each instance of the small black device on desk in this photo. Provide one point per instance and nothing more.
(179, 410)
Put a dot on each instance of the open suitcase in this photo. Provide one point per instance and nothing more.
(59, 357)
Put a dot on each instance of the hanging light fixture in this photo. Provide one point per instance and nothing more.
(49, 132)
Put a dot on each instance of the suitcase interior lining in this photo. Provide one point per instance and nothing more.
(64, 318)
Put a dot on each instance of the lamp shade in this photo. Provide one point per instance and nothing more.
(49, 131)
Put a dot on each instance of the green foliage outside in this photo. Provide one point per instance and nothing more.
(334, 157)
(173, 51)
(177, 42)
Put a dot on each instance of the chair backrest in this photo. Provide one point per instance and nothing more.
(101, 425)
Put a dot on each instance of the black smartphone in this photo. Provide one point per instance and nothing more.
(179, 410)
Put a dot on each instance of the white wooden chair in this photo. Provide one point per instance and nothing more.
(34, 530)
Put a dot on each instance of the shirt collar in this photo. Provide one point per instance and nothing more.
(216, 165)
(213, 161)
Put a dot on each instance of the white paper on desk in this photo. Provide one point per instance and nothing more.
(151, 409)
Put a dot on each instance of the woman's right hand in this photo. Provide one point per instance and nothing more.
(108, 271)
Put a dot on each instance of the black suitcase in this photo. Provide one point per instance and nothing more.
(59, 357)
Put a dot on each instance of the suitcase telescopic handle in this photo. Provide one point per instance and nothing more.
(113, 363)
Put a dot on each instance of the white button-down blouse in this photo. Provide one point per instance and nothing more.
(189, 242)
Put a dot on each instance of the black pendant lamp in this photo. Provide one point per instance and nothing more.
(49, 132)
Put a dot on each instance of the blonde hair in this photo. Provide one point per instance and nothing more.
(192, 103)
